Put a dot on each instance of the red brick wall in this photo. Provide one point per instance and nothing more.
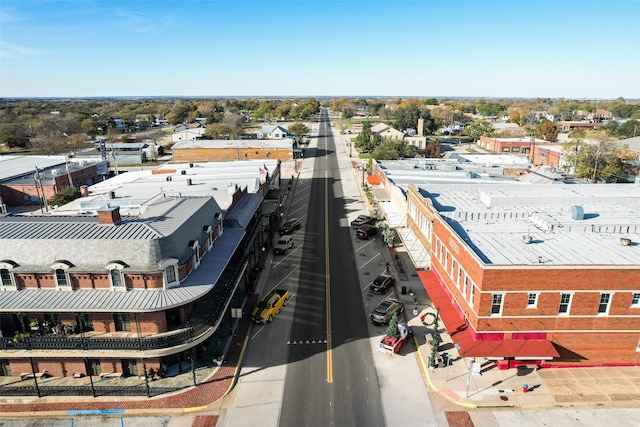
(186, 155)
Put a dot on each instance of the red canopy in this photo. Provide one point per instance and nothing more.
(470, 344)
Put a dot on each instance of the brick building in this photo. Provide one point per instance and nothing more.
(229, 150)
(547, 275)
(140, 273)
(28, 180)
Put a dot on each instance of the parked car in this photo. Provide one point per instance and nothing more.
(270, 305)
(362, 220)
(283, 244)
(289, 226)
(366, 231)
(381, 315)
(382, 283)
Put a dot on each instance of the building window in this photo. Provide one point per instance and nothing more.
(466, 285)
(452, 272)
(532, 300)
(246, 155)
(116, 275)
(473, 295)
(603, 307)
(459, 276)
(122, 322)
(61, 274)
(515, 149)
(635, 300)
(6, 278)
(496, 304)
(93, 367)
(116, 278)
(62, 280)
(505, 149)
(5, 368)
(565, 304)
(170, 268)
(170, 273)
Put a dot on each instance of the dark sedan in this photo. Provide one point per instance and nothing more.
(362, 220)
(366, 232)
(382, 283)
(289, 226)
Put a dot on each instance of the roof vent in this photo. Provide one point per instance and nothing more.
(577, 213)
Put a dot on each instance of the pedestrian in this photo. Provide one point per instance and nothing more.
(387, 269)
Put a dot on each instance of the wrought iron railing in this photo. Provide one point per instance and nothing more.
(216, 302)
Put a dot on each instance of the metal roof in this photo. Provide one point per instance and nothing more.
(196, 285)
(493, 221)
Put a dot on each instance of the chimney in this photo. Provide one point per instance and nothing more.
(84, 190)
(109, 215)
(420, 126)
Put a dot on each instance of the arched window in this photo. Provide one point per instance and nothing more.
(195, 245)
(116, 275)
(61, 274)
(7, 280)
(170, 272)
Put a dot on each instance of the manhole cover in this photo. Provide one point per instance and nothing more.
(505, 398)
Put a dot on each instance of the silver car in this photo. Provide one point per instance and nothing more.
(381, 315)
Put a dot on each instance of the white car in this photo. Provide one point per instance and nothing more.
(283, 244)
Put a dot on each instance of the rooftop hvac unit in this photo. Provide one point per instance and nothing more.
(55, 172)
(577, 213)
(469, 174)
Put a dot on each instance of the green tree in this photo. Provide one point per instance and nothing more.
(64, 196)
(406, 117)
(364, 141)
(480, 128)
(547, 131)
(628, 129)
(392, 329)
(392, 149)
(298, 130)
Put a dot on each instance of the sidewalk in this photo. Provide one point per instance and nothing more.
(582, 388)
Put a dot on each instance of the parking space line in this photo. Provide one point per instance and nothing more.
(372, 258)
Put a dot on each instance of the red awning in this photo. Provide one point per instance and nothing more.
(464, 336)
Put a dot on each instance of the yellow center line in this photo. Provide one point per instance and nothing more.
(327, 280)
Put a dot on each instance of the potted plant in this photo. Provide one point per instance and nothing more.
(152, 374)
(34, 324)
(415, 308)
(411, 291)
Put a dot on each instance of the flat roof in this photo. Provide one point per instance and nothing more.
(494, 220)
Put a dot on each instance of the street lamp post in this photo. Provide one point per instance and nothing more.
(363, 184)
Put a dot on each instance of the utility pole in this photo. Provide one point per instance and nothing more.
(595, 169)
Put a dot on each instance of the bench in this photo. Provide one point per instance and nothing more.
(30, 375)
(110, 375)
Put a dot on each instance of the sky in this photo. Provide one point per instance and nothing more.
(575, 49)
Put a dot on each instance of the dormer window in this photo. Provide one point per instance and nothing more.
(195, 245)
(170, 272)
(61, 274)
(116, 275)
(7, 280)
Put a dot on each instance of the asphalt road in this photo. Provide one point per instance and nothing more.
(333, 383)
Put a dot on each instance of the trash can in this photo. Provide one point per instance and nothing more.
(404, 290)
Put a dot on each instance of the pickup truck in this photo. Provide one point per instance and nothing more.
(391, 345)
(270, 305)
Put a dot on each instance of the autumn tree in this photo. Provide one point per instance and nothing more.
(547, 131)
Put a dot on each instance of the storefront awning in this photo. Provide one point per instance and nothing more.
(462, 334)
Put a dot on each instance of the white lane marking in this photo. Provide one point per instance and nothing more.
(372, 258)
